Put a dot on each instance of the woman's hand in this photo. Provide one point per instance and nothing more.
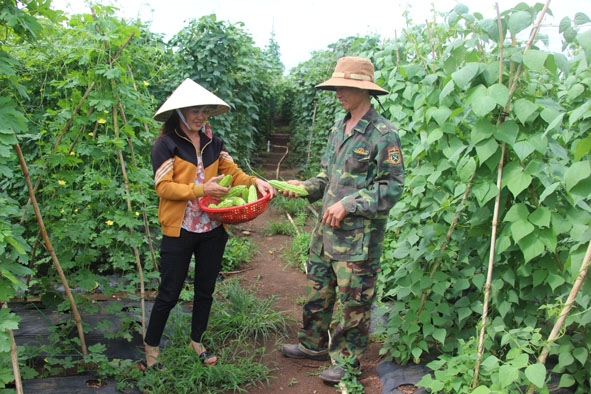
(265, 188)
(212, 188)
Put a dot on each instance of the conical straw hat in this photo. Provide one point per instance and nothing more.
(189, 94)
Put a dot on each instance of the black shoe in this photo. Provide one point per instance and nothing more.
(334, 374)
(298, 351)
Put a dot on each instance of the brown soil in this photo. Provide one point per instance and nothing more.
(269, 276)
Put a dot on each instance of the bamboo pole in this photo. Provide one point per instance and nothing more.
(14, 359)
(129, 208)
(487, 286)
(51, 251)
(565, 310)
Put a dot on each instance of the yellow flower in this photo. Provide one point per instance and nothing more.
(76, 210)
(109, 222)
(102, 121)
(146, 83)
(137, 214)
(91, 134)
(61, 182)
(62, 211)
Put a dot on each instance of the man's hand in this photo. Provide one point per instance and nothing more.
(333, 215)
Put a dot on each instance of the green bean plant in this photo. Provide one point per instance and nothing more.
(493, 225)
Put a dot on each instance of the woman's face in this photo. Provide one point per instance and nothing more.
(196, 116)
(351, 98)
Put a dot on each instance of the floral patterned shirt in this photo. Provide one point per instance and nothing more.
(195, 220)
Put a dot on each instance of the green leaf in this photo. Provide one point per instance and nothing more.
(482, 105)
(500, 93)
(535, 59)
(584, 39)
(581, 355)
(548, 238)
(583, 148)
(531, 246)
(524, 109)
(447, 89)
(566, 380)
(519, 21)
(491, 27)
(549, 191)
(575, 91)
(536, 373)
(482, 130)
(8, 320)
(523, 149)
(484, 192)
(466, 169)
(521, 229)
(555, 281)
(516, 212)
(465, 75)
(441, 115)
(507, 132)
(515, 178)
(507, 375)
(486, 149)
(541, 217)
(440, 334)
(581, 112)
(576, 173)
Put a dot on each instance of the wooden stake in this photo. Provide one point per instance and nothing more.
(488, 283)
(49, 247)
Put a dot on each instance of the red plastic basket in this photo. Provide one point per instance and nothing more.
(235, 215)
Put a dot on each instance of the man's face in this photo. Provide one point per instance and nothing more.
(350, 98)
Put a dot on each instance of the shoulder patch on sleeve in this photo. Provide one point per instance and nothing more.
(394, 155)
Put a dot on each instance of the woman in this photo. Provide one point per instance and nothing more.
(188, 161)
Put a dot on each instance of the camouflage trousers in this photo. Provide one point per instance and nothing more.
(354, 284)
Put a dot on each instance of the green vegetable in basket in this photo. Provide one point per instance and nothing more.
(236, 191)
(225, 181)
(252, 194)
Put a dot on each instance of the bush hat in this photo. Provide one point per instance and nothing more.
(190, 94)
(353, 72)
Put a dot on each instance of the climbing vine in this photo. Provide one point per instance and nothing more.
(496, 212)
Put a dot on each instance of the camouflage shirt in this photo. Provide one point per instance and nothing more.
(364, 170)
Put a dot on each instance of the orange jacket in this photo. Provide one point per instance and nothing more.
(174, 161)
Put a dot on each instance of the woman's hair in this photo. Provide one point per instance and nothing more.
(172, 123)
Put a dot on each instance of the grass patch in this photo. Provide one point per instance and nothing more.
(296, 255)
(239, 327)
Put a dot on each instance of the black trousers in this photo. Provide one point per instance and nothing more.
(175, 258)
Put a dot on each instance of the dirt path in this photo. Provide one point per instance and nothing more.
(271, 277)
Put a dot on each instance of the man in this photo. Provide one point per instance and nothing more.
(361, 178)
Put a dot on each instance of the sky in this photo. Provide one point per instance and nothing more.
(303, 26)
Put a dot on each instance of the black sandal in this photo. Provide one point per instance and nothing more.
(142, 366)
(206, 356)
